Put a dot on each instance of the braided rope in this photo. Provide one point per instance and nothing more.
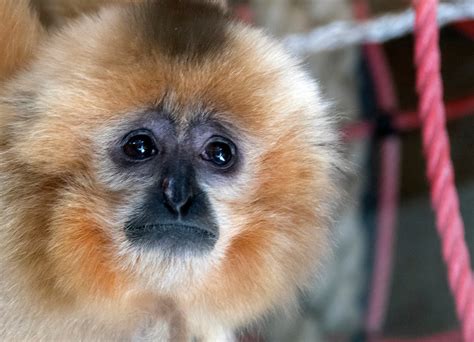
(440, 173)
(340, 34)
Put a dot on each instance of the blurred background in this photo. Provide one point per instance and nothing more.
(385, 282)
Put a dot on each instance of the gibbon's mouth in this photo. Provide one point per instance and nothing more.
(173, 237)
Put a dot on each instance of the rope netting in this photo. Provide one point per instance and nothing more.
(440, 172)
(425, 20)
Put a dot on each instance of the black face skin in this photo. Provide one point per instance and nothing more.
(176, 215)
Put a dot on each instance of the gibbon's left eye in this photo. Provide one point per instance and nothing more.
(220, 152)
(140, 145)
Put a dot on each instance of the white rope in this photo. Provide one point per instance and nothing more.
(341, 34)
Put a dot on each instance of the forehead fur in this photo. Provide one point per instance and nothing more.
(101, 69)
(181, 28)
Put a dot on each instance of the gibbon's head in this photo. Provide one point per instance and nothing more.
(165, 147)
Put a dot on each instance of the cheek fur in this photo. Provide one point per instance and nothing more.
(282, 236)
(82, 249)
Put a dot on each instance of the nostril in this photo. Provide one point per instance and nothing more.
(171, 208)
(184, 208)
(180, 207)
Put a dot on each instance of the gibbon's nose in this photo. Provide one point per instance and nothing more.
(178, 193)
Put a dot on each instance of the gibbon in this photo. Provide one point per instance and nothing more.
(166, 172)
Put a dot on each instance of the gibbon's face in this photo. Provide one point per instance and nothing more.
(165, 147)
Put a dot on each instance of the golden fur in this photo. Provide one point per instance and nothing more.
(20, 32)
(67, 270)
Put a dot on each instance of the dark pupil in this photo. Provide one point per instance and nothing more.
(219, 153)
(140, 147)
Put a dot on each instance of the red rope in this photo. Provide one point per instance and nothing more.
(439, 167)
(387, 206)
(456, 109)
(409, 120)
(453, 336)
(387, 210)
(467, 27)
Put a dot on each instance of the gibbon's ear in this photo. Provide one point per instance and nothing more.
(20, 33)
(56, 12)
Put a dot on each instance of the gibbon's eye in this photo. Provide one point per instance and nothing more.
(220, 152)
(140, 145)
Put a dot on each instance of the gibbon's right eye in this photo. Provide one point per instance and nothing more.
(140, 145)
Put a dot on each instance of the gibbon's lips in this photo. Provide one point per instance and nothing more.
(173, 236)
